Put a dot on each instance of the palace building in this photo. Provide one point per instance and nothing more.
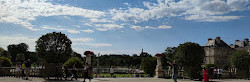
(218, 52)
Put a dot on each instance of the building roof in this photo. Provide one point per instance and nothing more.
(216, 43)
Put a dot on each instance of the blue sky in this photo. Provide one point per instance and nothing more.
(124, 26)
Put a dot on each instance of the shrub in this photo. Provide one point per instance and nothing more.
(209, 65)
(5, 62)
(74, 60)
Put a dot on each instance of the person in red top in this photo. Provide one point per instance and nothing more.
(206, 79)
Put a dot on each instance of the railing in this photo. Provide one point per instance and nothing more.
(35, 72)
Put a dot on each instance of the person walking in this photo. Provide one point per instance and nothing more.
(111, 71)
(215, 73)
(206, 78)
(28, 67)
(18, 70)
(74, 72)
(219, 70)
(66, 71)
(23, 69)
(174, 70)
(86, 71)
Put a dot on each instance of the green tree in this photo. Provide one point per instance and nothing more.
(20, 57)
(5, 62)
(190, 56)
(1, 50)
(4, 53)
(54, 47)
(136, 61)
(240, 60)
(15, 49)
(148, 65)
(74, 60)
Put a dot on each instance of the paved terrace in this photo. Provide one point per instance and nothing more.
(13, 79)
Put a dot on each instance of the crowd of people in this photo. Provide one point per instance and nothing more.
(23, 69)
(87, 72)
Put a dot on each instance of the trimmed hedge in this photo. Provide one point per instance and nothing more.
(5, 62)
(74, 60)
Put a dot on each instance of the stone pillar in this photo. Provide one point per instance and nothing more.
(159, 73)
(88, 59)
(88, 55)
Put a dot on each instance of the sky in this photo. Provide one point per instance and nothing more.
(124, 26)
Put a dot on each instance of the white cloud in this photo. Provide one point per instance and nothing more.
(100, 20)
(82, 39)
(182, 8)
(23, 11)
(164, 27)
(68, 30)
(88, 31)
(105, 27)
(16, 39)
(212, 18)
(127, 4)
(138, 28)
(94, 44)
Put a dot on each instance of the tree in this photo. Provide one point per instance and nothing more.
(20, 57)
(54, 47)
(148, 65)
(136, 61)
(74, 60)
(191, 56)
(240, 60)
(15, 49)
(1, 50)
(5, 62)
(4, 53)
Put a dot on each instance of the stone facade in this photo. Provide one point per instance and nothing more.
(217, 52)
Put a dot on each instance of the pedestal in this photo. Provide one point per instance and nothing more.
(159, 73)
(88, 59)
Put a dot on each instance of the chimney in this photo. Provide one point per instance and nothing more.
(246, 40)
(217, 39)
(209, 39)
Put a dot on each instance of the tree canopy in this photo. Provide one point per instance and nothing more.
(148, 65)
(240, 60)
(190, 56)
(15, 49)
(54, 47)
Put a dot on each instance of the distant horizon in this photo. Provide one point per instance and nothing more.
(124, 26)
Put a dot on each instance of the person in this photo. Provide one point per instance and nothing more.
(111, 71)
(210, 72)
(18, 70)
(206, 78)
(66, 71)
(74, 72)
(215, 72)
(28, 66)
(86, 71)
(219, 70)
(23, 69)
(174, 70)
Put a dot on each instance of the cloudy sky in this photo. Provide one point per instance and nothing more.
(124, 26)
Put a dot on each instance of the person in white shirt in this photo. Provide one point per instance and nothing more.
(219, 70)
(112, 71)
